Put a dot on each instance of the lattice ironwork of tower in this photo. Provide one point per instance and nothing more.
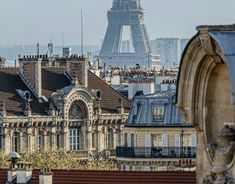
(126, 13)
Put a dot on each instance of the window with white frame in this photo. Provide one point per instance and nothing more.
(109, 139)
(158, 113)
(39, 140)
(15, 141)
(74, 139)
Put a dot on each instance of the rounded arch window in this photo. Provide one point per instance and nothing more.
(77, 110)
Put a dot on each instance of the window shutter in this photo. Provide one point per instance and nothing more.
(128, 139)
(194, 140)
(177, 140)
(135, 140)
(164, 140)
(122, 139)
(147, 140)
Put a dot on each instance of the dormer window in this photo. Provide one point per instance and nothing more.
(158, 113)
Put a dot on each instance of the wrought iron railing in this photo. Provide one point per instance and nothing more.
(156, 152)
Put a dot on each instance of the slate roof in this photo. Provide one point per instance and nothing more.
(9, 82)
(145, 105)
(53, 78)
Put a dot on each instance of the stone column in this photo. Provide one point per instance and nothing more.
(65, 138)
(89, 138)
(96, 139)
(6, 141)
(29, 134)
(53, 137)
(84, 131)
(116, 135)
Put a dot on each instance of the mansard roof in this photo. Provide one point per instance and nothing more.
(53, 79)
(142, 111)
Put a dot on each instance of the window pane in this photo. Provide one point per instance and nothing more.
(74, 139)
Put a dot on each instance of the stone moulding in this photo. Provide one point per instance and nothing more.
(206, 88)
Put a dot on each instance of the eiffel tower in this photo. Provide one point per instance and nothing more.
(126, 13)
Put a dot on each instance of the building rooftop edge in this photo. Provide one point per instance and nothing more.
(229, 27)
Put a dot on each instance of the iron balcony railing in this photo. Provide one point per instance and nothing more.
(156, 152)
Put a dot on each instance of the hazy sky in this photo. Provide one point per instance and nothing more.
(31, 21)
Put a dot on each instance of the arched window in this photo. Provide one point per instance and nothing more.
(75, 112)
(15, 141)
(39, 140)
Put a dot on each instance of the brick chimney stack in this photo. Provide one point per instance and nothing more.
(77, 69)
(31, 74)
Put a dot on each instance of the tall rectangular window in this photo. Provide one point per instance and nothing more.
(132, 140)
(39, 140)
(1, 138)
(58, 140)
(74, 139)
(156, 140)
(93, 140)
(109, 139)
(125, 139)
(49, 140)
(15, 141)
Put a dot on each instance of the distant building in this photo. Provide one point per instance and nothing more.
(67, 52)
(64, 106)
(2, 61)
(135, 82)
(155, 137)
(170, 50)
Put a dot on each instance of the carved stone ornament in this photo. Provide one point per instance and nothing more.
(222, 152)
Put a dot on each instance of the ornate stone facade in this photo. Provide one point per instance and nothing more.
(71, 114)
(206, 94)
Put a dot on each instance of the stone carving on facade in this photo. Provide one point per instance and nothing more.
(27, 108)
(2, 109)
(222, 152)
(120, 107)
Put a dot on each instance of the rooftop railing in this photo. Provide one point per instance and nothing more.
(156, 152)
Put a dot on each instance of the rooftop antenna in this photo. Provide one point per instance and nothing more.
(81, 32)
(62, 40)
(37, 49)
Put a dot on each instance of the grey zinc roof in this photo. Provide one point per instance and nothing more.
(146, 104)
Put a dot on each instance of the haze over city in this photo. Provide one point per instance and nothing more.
(28, 22)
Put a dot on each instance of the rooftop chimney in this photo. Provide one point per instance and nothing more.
(30, 72)
(77, 68)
